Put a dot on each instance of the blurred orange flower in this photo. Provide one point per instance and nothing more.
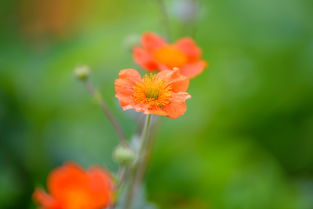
(71, 187)
(160, 94)
(156, 54)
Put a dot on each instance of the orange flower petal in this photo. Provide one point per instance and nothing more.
(45, 200)
(65, 179)
(102, 187)
(144, 59)
(124, 87)
(151, 41)
(177, 81)
(175, 109)
(192, 70)
(131, 75)
(180, 97)
(189, 47)
(127, 79)
(147, 110)
(156, 112)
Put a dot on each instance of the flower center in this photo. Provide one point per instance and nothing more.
(77, 199)
(152, 91)
(170, 56)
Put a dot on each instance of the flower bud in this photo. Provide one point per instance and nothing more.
(124, 155)
(82, 72)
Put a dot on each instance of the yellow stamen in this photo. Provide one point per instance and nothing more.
(152, 91)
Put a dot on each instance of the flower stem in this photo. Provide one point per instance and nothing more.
(122, 175)
(141, 163)
(164, 19)
(189, 26)
(94, 93)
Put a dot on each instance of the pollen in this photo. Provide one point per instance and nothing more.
(170, 56)
(152, 91)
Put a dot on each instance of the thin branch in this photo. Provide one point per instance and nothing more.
(122, 174)
(106, 111)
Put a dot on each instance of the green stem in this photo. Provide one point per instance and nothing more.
(141, 164)
(122, 173)
(164, 19)
(95, 94)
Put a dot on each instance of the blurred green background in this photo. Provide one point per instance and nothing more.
(246, 141)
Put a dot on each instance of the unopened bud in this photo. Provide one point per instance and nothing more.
(124, 155)
(82, 72)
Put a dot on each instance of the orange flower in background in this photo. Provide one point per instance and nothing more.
(71, 187)
(160, 94)
(156, 54)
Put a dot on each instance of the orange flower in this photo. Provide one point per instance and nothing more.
(71, 187)
(160, 94)
(156, 54)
